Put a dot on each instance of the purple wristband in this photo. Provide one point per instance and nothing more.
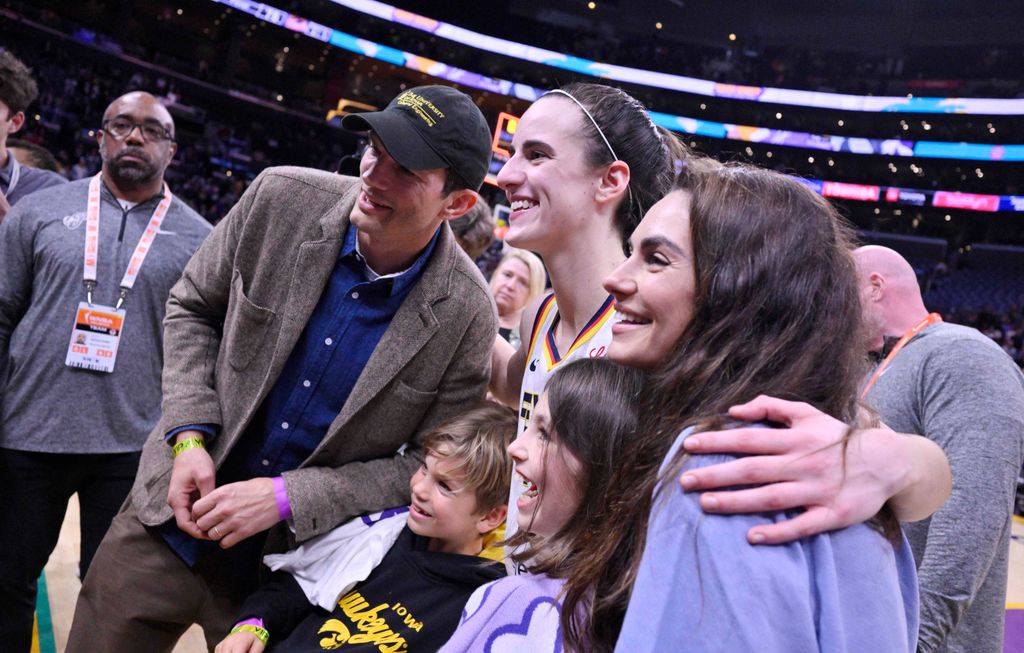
(284, 509)
(252, 621)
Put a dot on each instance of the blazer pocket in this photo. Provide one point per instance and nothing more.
(245, 325)
(413, 395)
(406, 408)
(158, 479)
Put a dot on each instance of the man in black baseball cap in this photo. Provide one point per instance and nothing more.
(429, 149)
(432, 127)
(344, 322)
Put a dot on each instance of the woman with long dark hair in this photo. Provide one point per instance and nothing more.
(740, 283)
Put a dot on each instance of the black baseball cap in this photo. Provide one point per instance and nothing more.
(431, 127)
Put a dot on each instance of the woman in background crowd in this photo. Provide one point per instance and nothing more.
(518, 280)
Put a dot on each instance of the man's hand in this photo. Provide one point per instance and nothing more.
(801, 466)
(192, 477)
(236, 511)
(5, 206)
(241, 642)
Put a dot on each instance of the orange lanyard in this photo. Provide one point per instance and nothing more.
(933, 318)
(92, 239)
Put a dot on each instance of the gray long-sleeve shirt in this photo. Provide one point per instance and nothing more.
(45, 405)
(958, 388)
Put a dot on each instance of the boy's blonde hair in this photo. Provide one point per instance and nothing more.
(477, 442)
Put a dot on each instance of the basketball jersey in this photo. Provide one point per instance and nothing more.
(542, 359)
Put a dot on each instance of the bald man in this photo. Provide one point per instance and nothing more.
(960, 389)
(85, 271)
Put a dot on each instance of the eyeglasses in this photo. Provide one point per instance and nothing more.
(120, 128)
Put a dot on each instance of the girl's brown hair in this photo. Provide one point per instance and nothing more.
(593, 408)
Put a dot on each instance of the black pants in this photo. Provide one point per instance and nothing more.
(34, 489)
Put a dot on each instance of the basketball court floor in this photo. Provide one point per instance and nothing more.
(59, 589)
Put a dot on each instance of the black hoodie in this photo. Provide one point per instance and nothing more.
(411, 602)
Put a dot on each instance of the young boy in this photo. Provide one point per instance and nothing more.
(411, 601)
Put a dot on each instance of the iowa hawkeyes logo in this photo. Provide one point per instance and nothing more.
(336, 634)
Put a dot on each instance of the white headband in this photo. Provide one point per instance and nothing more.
(589, 115)
(600, 132)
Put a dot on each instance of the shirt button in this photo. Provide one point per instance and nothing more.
(328, 342)
(284, 425)
(355, 295)
(266, 463)
(306, 383)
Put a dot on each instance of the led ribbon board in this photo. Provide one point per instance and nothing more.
(744, 133)
(507, 123)
(708, 88)
(916, 197)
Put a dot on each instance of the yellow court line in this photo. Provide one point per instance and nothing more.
(1015, 606)
(1018, 519)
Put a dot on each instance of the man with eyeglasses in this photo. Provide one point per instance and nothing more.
(17, 91)
(85, 271)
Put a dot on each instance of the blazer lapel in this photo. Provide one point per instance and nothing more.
(313, 268)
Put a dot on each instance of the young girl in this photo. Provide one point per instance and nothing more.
(579, 430)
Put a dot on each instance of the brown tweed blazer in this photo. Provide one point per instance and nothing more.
(241, 305)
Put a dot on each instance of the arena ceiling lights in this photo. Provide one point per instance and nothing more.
(858, 192)
(682, 124)
(708, 88)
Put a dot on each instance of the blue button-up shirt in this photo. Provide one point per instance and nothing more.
(349, 320)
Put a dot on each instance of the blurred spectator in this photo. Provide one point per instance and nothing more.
(475, 230)
(519, 278)
(30, 154)
(17, 91)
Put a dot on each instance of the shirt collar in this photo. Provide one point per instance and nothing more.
(108, 195)
(396, 282)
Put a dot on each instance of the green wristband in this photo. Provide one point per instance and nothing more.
(261, 633)
(188, 443)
